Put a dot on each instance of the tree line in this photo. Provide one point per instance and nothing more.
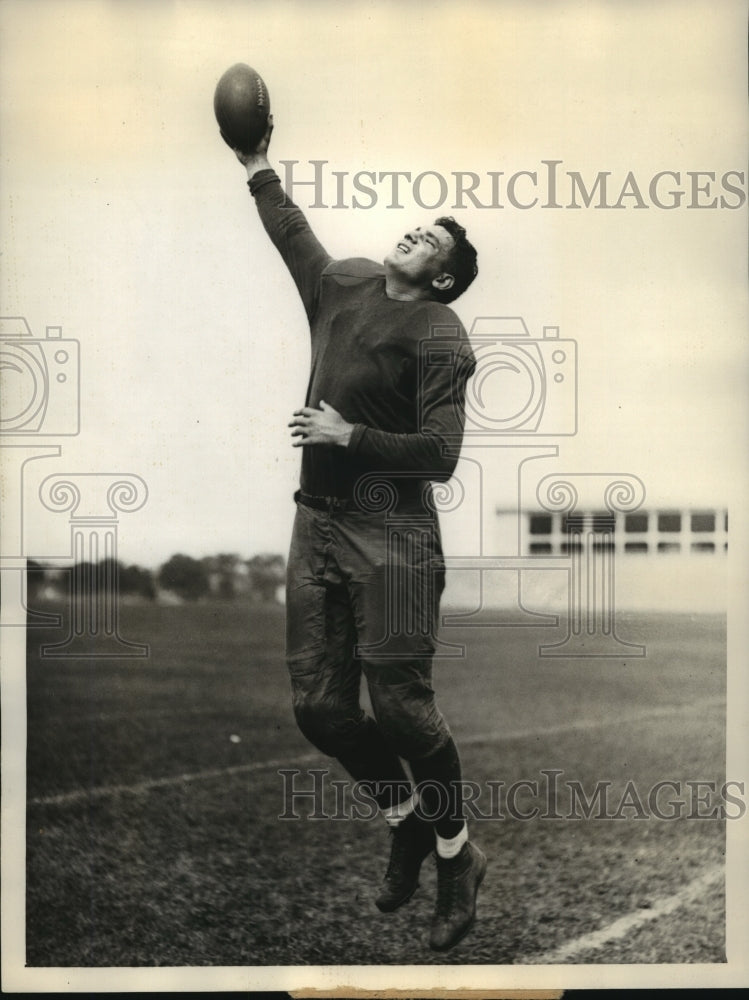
(224, 577)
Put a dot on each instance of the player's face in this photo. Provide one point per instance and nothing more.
(420, 256)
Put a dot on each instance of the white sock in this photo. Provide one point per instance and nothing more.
(394, 815)
(449, 848)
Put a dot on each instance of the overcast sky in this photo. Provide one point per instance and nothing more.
(127, 221)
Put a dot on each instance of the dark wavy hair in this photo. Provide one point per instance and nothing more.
(460, 262)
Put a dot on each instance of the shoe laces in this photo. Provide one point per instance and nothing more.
(398, 851)
(448, 882)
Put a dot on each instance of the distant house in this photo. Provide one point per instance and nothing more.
(261, 577)
(227, 575)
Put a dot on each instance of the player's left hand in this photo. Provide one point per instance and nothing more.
(323, 426)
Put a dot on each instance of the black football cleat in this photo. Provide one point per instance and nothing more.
(458, 881)
(410, 842)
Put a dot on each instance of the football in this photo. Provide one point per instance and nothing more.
(241, 104)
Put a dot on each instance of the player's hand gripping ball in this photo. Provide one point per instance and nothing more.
(242, 105)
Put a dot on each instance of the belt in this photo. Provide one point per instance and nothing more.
(411, 502)
(326, 503)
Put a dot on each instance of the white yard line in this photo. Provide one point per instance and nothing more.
(140, 787)
(625, 925)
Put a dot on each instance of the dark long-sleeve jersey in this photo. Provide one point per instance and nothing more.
(394, 369)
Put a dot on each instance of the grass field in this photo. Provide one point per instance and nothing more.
(153, 830)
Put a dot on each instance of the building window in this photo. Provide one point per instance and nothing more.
(540, 548)
(669, 547)
(540, 524)
(604, 521)
(669, 522)
(703, 547)
(703, 522)
(636, 522)
(635, 546)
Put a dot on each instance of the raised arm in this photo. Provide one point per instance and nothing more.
(285, 223)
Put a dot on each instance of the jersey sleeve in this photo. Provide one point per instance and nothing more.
(292, 236)
(432, 451)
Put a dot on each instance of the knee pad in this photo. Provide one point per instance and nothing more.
(333, 730)
(408, 718)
